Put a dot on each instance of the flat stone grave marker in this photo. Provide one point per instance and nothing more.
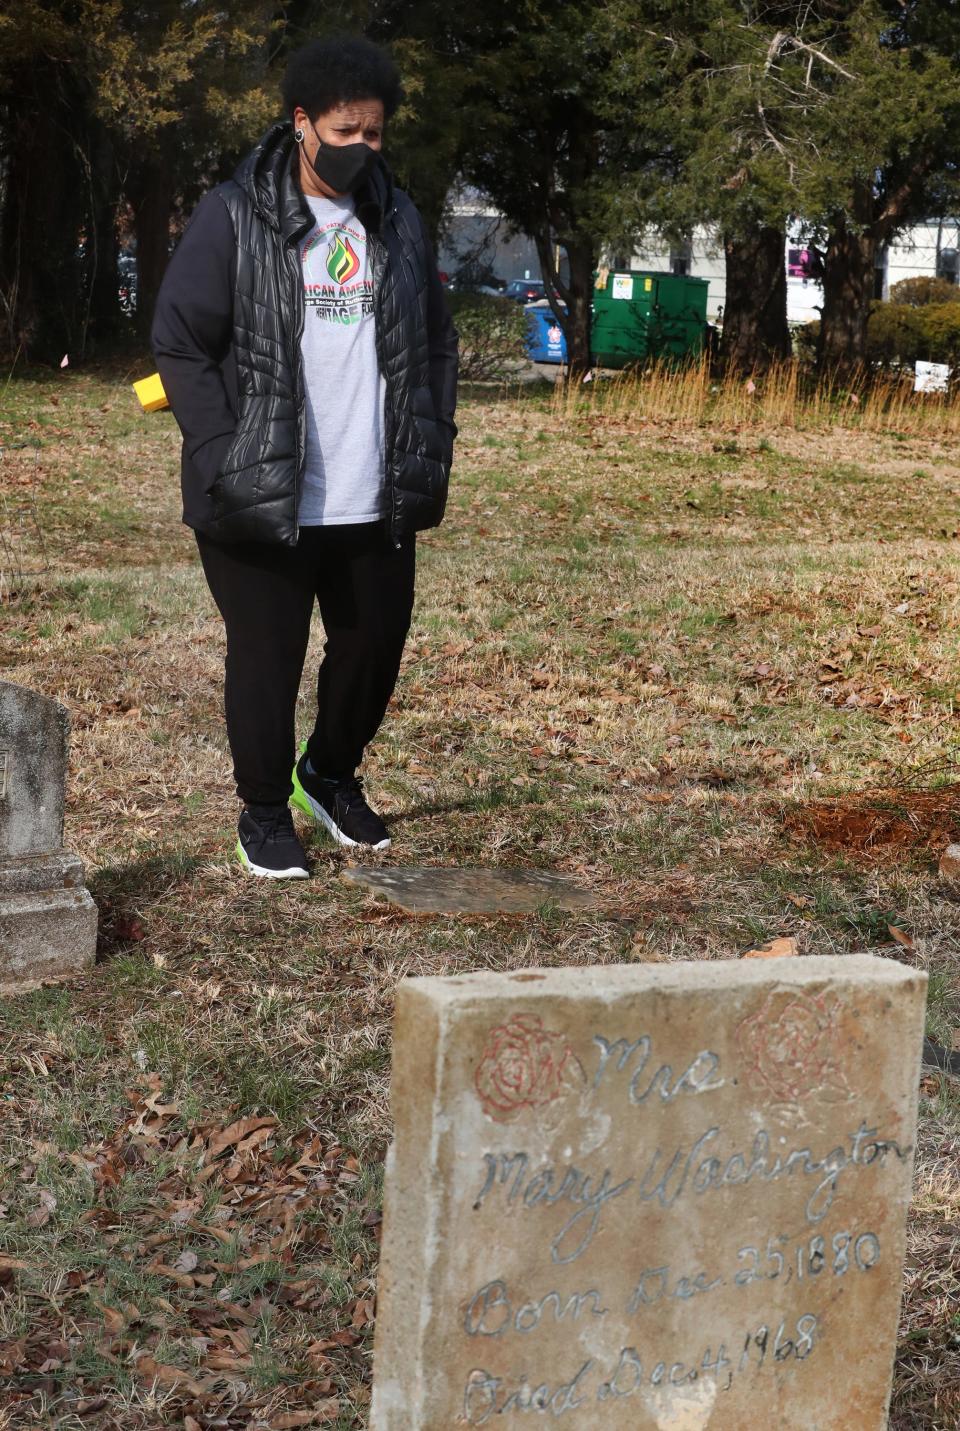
(656, 1198)
(422, 889)
(48, 922)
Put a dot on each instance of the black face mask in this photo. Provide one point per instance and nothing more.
(343, 167)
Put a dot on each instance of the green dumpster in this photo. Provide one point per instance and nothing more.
(637, 315)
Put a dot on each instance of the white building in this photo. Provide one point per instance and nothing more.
(928, 250)
(476, 239)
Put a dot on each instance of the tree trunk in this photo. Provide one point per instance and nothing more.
(581, 260)
(576, 294)
(104, 297)
(755, 332)
(848, 278)
(150, 189)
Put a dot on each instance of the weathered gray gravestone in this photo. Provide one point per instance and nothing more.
(666, 1198)
(48, 922)
(425, 889)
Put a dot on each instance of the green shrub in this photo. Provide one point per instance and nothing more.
(894, 334)
(920, 292)
(806, 340)
(899, 333)
(941, 328)
(492, 332)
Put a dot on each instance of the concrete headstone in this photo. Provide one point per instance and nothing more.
(33, 772)
(668, 1197)
(48, 922)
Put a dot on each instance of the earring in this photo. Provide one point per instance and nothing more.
(298, 135)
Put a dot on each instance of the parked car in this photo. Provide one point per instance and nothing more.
(471, 281)
(525, 290)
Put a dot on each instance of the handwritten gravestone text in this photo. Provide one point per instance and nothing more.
(653, 1194)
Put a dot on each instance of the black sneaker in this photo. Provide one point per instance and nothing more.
(267, 844)
(341, 806)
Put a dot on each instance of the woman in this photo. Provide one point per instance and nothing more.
(305, 346)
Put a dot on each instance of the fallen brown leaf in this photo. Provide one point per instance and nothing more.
(210, 1230)
(227, 1361)
(784, 948)
(323, 1411)
(235, 1133)
(259, 1135)
(950, 862)
(12, 1355)
(182, 1279)
(113, 1321)
(165, 1375)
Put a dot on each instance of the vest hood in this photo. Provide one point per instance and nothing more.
(268, 177)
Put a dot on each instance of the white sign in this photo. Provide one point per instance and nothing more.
(931, 377)
(623, 285)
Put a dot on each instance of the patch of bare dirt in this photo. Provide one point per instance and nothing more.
(880, 823)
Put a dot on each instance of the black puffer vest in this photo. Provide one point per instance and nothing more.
(255, 496)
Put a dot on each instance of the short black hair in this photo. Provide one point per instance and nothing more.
(340, 70)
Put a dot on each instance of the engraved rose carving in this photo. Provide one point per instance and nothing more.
(790, 1048)
(525, 1065)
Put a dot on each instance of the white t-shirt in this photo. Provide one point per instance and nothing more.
(344, 472)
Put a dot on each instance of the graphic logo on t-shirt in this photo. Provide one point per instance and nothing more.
(342, 262)
(337, 252)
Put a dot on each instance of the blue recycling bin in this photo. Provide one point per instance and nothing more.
(545, 340)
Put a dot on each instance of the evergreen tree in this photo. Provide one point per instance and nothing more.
(885, 137)
(103, 101)
(183, 87)
(736, 136)
(45, 209)
(540, 133)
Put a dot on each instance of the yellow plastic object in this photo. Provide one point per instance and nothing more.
(151, 394)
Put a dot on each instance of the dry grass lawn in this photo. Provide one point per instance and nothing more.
(710, 670)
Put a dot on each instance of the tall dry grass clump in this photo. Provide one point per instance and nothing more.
(784, 395)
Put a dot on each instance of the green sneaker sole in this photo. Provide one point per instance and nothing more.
(301, 799)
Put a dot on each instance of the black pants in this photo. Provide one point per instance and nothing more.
(265, 594)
